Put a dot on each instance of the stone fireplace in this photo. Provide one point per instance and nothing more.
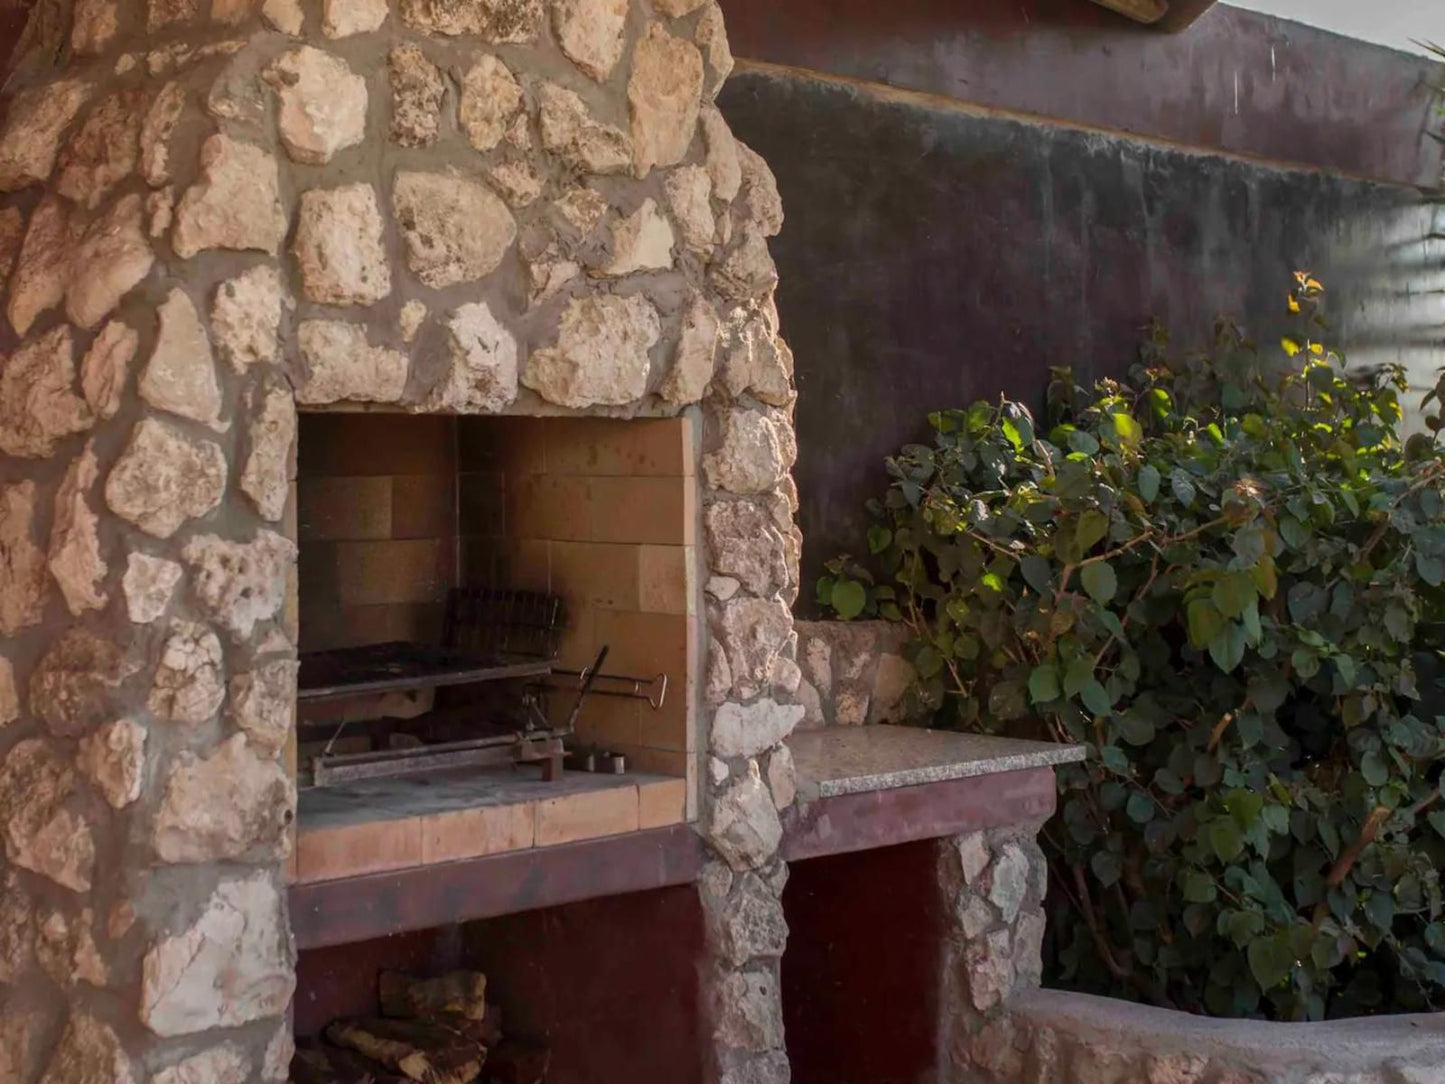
(503, 268)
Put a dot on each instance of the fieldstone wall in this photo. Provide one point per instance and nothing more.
(211, 212)
(854, 672)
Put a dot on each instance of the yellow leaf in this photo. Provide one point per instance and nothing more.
(1293, 303)
(1315, 285)
(1317, 350)
(1290, 346)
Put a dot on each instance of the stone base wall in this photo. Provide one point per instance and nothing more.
(854, 672)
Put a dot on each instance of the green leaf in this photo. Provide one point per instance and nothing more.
(1379, 908)
(1092, 526)
(1096, 699)
(1242, 927)
(1115, 759)
(1183, 487)
(1038, 574)
(1227, 648)
(1233, 592)
(1198, 887)
(1127, 429)
(1148, 482)
(1270, 961)
(850, 598)
(1431, 569)
(879, 539)
(1044, 683)
(1225, 839)
(1140, 808)
(1011, 432)
(1135, 728)
(1205, 623)
(1107, 867)
(1100, 581)
(1374, 769)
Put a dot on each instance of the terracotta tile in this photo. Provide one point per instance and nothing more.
(373, 443)
(647, 447)
(669, 727)
(343, 509)
(472, 833)
(646, 644)
(667, 578)
(596, 574)
(423, 505)
(514, 444)
(656, 510)
(324, 854)
(370, 573)
(662, 803)
(578, 646)
(589, 815)
(544, 506)
(332, 626)
(606, 721)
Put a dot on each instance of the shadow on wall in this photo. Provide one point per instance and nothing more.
(934, 255)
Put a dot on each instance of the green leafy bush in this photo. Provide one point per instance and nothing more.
(1215, 578)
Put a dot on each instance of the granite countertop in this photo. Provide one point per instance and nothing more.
(859, 759)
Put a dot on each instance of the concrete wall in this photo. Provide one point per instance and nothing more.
(975, 196)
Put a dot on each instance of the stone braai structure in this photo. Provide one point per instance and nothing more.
(212, 211)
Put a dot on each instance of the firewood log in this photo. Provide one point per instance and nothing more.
(331, 1065)
(463, 993)
(423, 1052)
(518, 1061)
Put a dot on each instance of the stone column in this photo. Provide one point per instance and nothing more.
(994, 882)
(211, 211)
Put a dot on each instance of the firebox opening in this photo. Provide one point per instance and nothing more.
(459, 581)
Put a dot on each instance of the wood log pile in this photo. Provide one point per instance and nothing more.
(430, 1031)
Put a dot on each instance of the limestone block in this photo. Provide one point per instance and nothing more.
(22, 1035)
(782, 775)
(235, 205)
(276, 1064)
(973, 855)
(974, 916)
(723, 164)
(74, 688)
(189, 682)
(519, 183)
(601, 353)
(89, 1053)
(42, 834)
(34, 124)
(323, 104)
(112, 257)
(22, 562)
(455, 230)
(342, 366)
(663, 95)
(643, 241)
(17, 935)
(747, 272)
(416, 97)
(220, 807)
(500, 22)
(749, 1011)
(570, 131)
(482, 377)
(42, 268)
(74, 558)
(164, 478)
(181, 374)
(491, 96)
(219, 1065)
(266, 478)
(9, 697)
(240, 583)
(106, 367)
(694, 360)
(746, 923)
(149, 584)
(718, 682)
(231, 967)
(163, 13)
(113, 759)
(676, 8)
(591, 33)
(263, 704)
(752, 456)
(760, 204)
(581, 209)
(743, 542)
(285, 16)
(411, 320)
(749, 730)
(94, 26)
(752, 631)
(104, 151)
(246, 318)
(689, 198)
(989, 967)
(1028, 949)
(711, 36)
(343, 18)
(743, 822)
(340, 247)
(156, 131)
(12, 234)
(757, 361)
